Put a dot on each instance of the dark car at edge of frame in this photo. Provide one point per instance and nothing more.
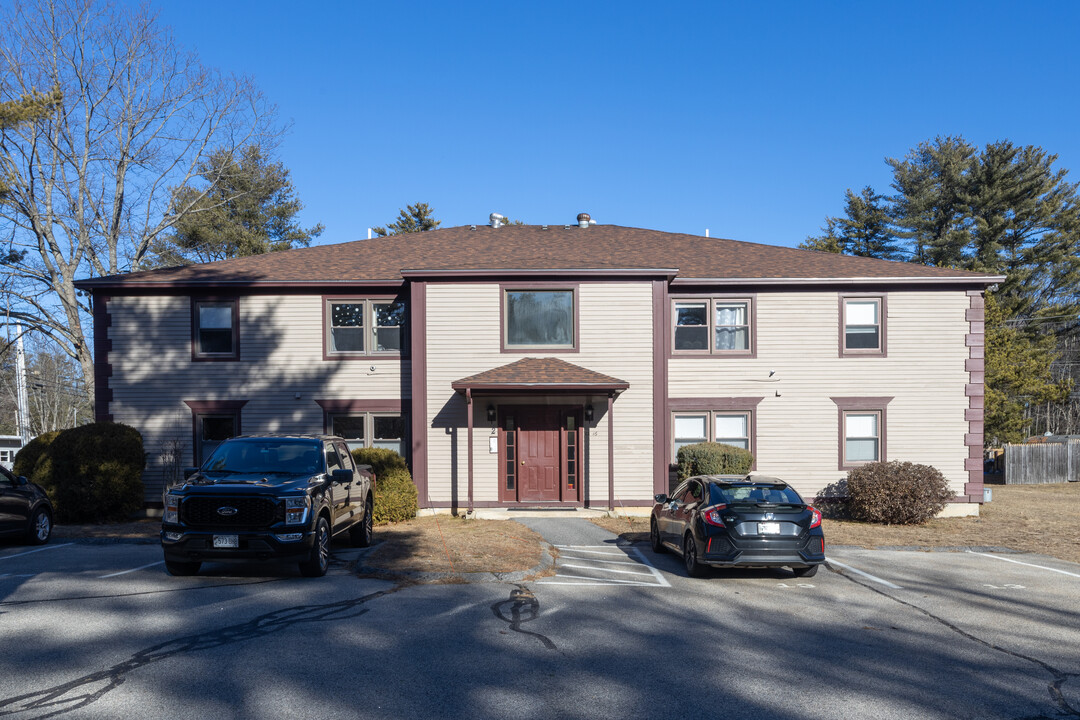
(25, 510)
(725, 522)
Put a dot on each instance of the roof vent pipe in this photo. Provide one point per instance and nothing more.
(497, 220)
(583, 220)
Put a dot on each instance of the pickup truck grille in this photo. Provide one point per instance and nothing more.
(251, 512)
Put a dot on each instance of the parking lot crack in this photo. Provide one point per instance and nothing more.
(1060, 677)
(90, 688)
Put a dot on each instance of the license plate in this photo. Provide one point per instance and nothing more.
(768, 528)
(226, 541)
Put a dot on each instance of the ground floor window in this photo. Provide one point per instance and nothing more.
(370, 429)
(215, 421)
(862, 430)
(722, 426)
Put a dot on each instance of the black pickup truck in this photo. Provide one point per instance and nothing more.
(268, 497)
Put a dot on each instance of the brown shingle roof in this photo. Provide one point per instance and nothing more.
(531, 248)
(541, 373)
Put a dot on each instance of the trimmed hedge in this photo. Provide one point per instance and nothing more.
(395, 497)
(710, 458)
(395, 493)
(381, 460)
(26, 460)
(92, 473)
(896, 493)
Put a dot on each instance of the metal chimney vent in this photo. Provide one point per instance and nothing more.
(497, 220)
(584, 220)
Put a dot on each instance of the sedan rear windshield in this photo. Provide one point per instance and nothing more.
(741, 494)
(295, 457)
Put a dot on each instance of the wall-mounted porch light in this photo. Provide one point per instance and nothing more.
(491, 413)
(588, 413)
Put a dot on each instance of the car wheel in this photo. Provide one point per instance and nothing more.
(693, 567)
(654, 538)
(182, 569)
(361, 533)
(319, 560)
(805, 571)
(40, 527)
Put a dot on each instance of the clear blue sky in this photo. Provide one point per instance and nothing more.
(750, 119)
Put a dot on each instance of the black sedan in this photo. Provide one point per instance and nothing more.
(25, 510)
(749, 522)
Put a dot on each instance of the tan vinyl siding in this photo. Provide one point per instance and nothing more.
(797, 422)
(463, 338)
(280, 356)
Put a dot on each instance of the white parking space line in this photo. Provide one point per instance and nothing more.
(1018, 562)
(125, 572)
(607, 570)
(656, 573)
(595, 563)
(50, 547)
(866, 575)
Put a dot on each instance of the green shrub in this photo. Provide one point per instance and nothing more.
(26, 460)
(381, 460)
(395, 497)
(94, 473)
(896, 493)
(710, 458)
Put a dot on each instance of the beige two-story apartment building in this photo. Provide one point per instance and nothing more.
(559, 365)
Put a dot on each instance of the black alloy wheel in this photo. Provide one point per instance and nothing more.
(361, 533)
(318, 562)
(693, 567)
(654, 538)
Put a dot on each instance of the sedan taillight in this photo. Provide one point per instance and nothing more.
(712, 515)
(815, 516)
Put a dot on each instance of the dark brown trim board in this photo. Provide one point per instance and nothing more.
(418, 416)
(975, 390)
(661, 306)
(103, 369)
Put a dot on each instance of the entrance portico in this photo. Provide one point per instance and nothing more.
(540, 409)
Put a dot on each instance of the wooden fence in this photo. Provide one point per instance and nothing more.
(1042, 463)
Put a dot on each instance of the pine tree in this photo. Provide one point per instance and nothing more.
(249, 209)
(865, 230)
(1018, 374)
(414, 218)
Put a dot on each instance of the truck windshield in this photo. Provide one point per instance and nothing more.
(267, 455)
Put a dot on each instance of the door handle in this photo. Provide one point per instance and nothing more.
(522, 462)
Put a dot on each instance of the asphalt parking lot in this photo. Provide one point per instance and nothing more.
(103, 631)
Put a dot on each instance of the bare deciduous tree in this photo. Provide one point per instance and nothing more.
(89, 184)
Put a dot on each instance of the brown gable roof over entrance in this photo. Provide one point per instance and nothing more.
(599, 249)
(545, 374)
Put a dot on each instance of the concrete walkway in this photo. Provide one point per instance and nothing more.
(569, 531)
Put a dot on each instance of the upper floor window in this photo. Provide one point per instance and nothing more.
(358, 327)
(539, 319)
(713, 326)
(214, 330)
(862, 324)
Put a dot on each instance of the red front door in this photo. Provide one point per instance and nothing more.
(539, 447)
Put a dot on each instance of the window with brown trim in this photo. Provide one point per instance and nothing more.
(713, 326)
(862, 430)
(731, 427)
(215, 331)
(539, 319)
(370, 429)
(862, 325)
(361, 327)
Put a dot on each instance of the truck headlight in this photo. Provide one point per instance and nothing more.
(172, 509)
(296, 510)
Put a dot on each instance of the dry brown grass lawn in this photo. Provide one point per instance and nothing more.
(1042, 519)
(449, 544)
